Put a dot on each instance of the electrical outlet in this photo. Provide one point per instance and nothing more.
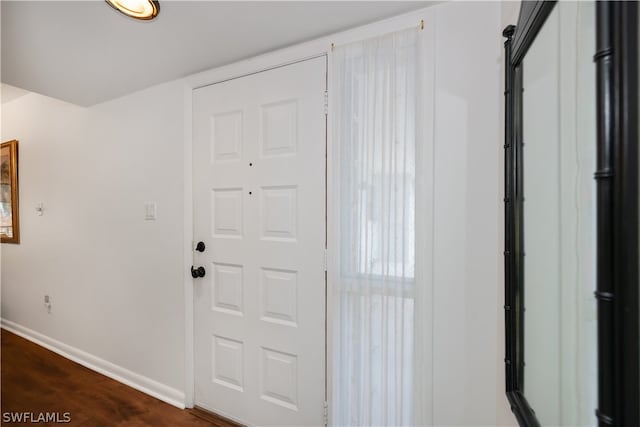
(47, 303)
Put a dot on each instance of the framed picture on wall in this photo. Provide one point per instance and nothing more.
(9, 225)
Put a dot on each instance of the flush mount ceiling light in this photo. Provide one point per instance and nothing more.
(138, 9)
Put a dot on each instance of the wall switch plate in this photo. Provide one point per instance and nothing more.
(40, 209)
(47, 303)
(150, 211)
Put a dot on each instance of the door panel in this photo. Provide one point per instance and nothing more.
(259, 205)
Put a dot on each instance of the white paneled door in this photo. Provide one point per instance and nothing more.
(259, 207)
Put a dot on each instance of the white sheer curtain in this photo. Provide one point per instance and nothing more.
(381, 369)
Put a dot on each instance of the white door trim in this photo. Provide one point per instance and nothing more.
(279, 58)
(263, 246)
(189, 380)
(189, 87)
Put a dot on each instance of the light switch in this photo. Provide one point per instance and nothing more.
(150, 211)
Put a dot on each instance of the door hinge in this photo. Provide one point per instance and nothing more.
(325, 413)
(324, 260)
(326, 102)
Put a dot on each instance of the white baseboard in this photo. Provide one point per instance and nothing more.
(146, 385)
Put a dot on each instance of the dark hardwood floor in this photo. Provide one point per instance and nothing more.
(37, 380)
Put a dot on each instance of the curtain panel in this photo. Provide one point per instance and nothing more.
(381, 372)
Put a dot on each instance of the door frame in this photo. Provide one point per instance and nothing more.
(279, 58)
(188, 213)
(192, 242)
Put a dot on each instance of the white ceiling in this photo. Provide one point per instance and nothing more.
(85, 52)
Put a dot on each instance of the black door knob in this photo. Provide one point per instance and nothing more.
(197, 272)
(200, 247)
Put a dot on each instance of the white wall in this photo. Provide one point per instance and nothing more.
(468, 323)
(116, 280)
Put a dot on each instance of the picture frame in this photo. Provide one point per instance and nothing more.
(9, 212)
(616, 61)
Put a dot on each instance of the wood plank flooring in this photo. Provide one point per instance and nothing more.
(37, 380)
